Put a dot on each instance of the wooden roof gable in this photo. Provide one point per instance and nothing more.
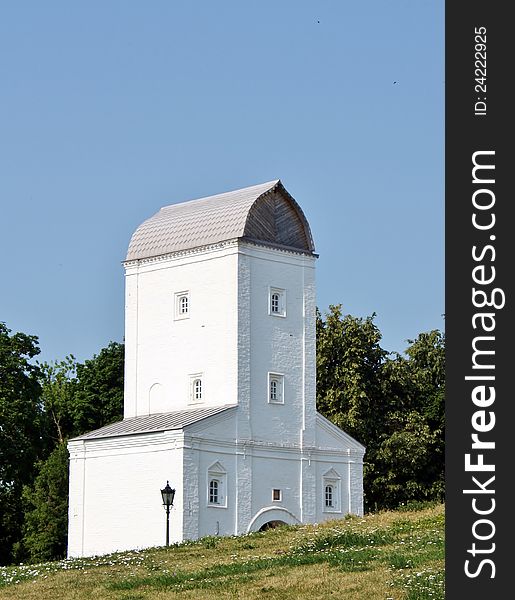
(263, 213)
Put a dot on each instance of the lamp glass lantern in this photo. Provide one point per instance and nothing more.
(167, 493)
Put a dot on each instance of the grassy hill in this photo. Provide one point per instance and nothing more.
(384, 556)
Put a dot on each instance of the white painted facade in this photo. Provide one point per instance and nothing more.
(164, 351)
(262, 453)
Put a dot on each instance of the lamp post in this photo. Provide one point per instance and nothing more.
(167, 494)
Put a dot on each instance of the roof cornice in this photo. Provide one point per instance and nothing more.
(219, 246)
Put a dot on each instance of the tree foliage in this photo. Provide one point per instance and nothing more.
(46, 505)
(349, 362)
(392, 404)
(21, 439)
(59, 385)
(98, 399)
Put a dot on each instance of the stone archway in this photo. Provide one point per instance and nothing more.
(271, 525)
(272, 516)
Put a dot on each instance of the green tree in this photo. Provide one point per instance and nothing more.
(98, 398)
(349, 380)
(411, 454)
(426, 357)
(349, 363)
(59, 385)
(390, 403)
(45, 500)
(21, 439)
(46, 508)
(403, 463)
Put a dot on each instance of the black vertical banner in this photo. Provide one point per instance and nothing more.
(480, 269)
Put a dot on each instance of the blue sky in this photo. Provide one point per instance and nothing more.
(111, 109)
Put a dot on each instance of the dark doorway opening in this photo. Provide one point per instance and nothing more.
(271, 525)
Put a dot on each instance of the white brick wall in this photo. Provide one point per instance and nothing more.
(118, 482)
(280, 344)
(163, 350)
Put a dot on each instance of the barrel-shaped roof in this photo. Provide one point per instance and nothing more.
(263, 213)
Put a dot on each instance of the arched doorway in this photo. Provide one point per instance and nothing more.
(272, 516)
(272, 525)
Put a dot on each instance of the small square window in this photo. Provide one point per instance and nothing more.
(276, 495)
(275, 388)
(182, 305)
(276, 302)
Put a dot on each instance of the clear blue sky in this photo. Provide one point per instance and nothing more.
(111, 109)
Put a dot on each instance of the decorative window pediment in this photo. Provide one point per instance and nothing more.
(331, 491)
(217, 486)
(217, 468)
(332, 474)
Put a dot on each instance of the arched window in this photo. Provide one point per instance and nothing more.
(329, 496)
(331, 490)
(214, 497)
(197, 389)
(217, 486)
(183, 305)
(274, 302)
(273, 390)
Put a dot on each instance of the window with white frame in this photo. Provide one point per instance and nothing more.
(329, 496)
(275, 388)
(331, 490)
(214, 491)
(216, 486)
(276, 495)
(182, 305)
(276, 302)
(196, 391)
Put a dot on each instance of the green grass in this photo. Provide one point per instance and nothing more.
(388, 555)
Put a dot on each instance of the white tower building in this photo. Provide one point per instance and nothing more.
(220, 384)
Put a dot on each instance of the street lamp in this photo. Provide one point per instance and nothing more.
(167, 494)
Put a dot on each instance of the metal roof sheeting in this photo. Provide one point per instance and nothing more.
(154, 423)
(205, 221)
